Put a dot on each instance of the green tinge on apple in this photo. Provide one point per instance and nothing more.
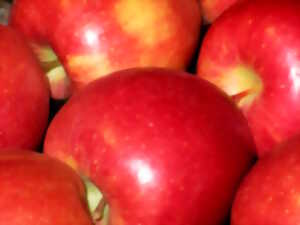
(57, 76)
(94, 195)
(60, 84)
(44, 53)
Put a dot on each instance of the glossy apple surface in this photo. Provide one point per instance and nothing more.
(94, 38)
(24, 93)
(253, 52)
(270, 192)
(212, 9)
(163, 147)
(36, 189)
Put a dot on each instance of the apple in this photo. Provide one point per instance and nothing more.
(37, 189)
(94, 38)
(252, 52)
(269, 194)
(4, 12)
(24, 93)
(162, 146)
(212, 9)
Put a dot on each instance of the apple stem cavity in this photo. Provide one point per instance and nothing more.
(243, 84)
(44, 53)
(97, 204)
(60, 84)
(100, 215)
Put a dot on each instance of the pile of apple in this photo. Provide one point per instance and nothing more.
(150, 112)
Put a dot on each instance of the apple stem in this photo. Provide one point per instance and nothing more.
(239, 96)
(97, 204)
(101, 214)
(98, 213)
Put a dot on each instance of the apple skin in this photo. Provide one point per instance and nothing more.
(24, 93)
(37, 189)
(95, 38)
(212, 9)
(164, 147)
(252, 52)
(269, 194)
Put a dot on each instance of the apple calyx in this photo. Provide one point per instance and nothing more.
(96, 202)
(243, 84)
(60, 84)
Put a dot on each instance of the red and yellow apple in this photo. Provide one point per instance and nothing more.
(270, 192)
(212, 9)
(37, 189)
(24, 93)
(252, 52)
(94, 38)
(163, 147)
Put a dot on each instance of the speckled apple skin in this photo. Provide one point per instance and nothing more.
(37, 189)
(262, 36)
(24, 93)
(163, 147)
(95, 38)
(270, 193)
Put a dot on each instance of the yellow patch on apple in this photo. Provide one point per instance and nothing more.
(209, 4)
(145, 19)
(85, 68)
(70, 162)
(296, 197)
(109, 136)
(148, 59)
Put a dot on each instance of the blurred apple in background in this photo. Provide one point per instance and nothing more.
(4, 12)
(270, 192)
(212, 9)
(37, 189)
(253, 52)
(24, 93)
(94, 38)
(164, 147)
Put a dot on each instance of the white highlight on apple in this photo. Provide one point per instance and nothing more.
(91, 37)
(143, 171)
(295, 76)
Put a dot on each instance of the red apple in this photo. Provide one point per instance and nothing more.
(163, 147)
(94, 38)
(36, 189)
(252, 52)
(212, 9)
(269, 195)
(24, 93)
